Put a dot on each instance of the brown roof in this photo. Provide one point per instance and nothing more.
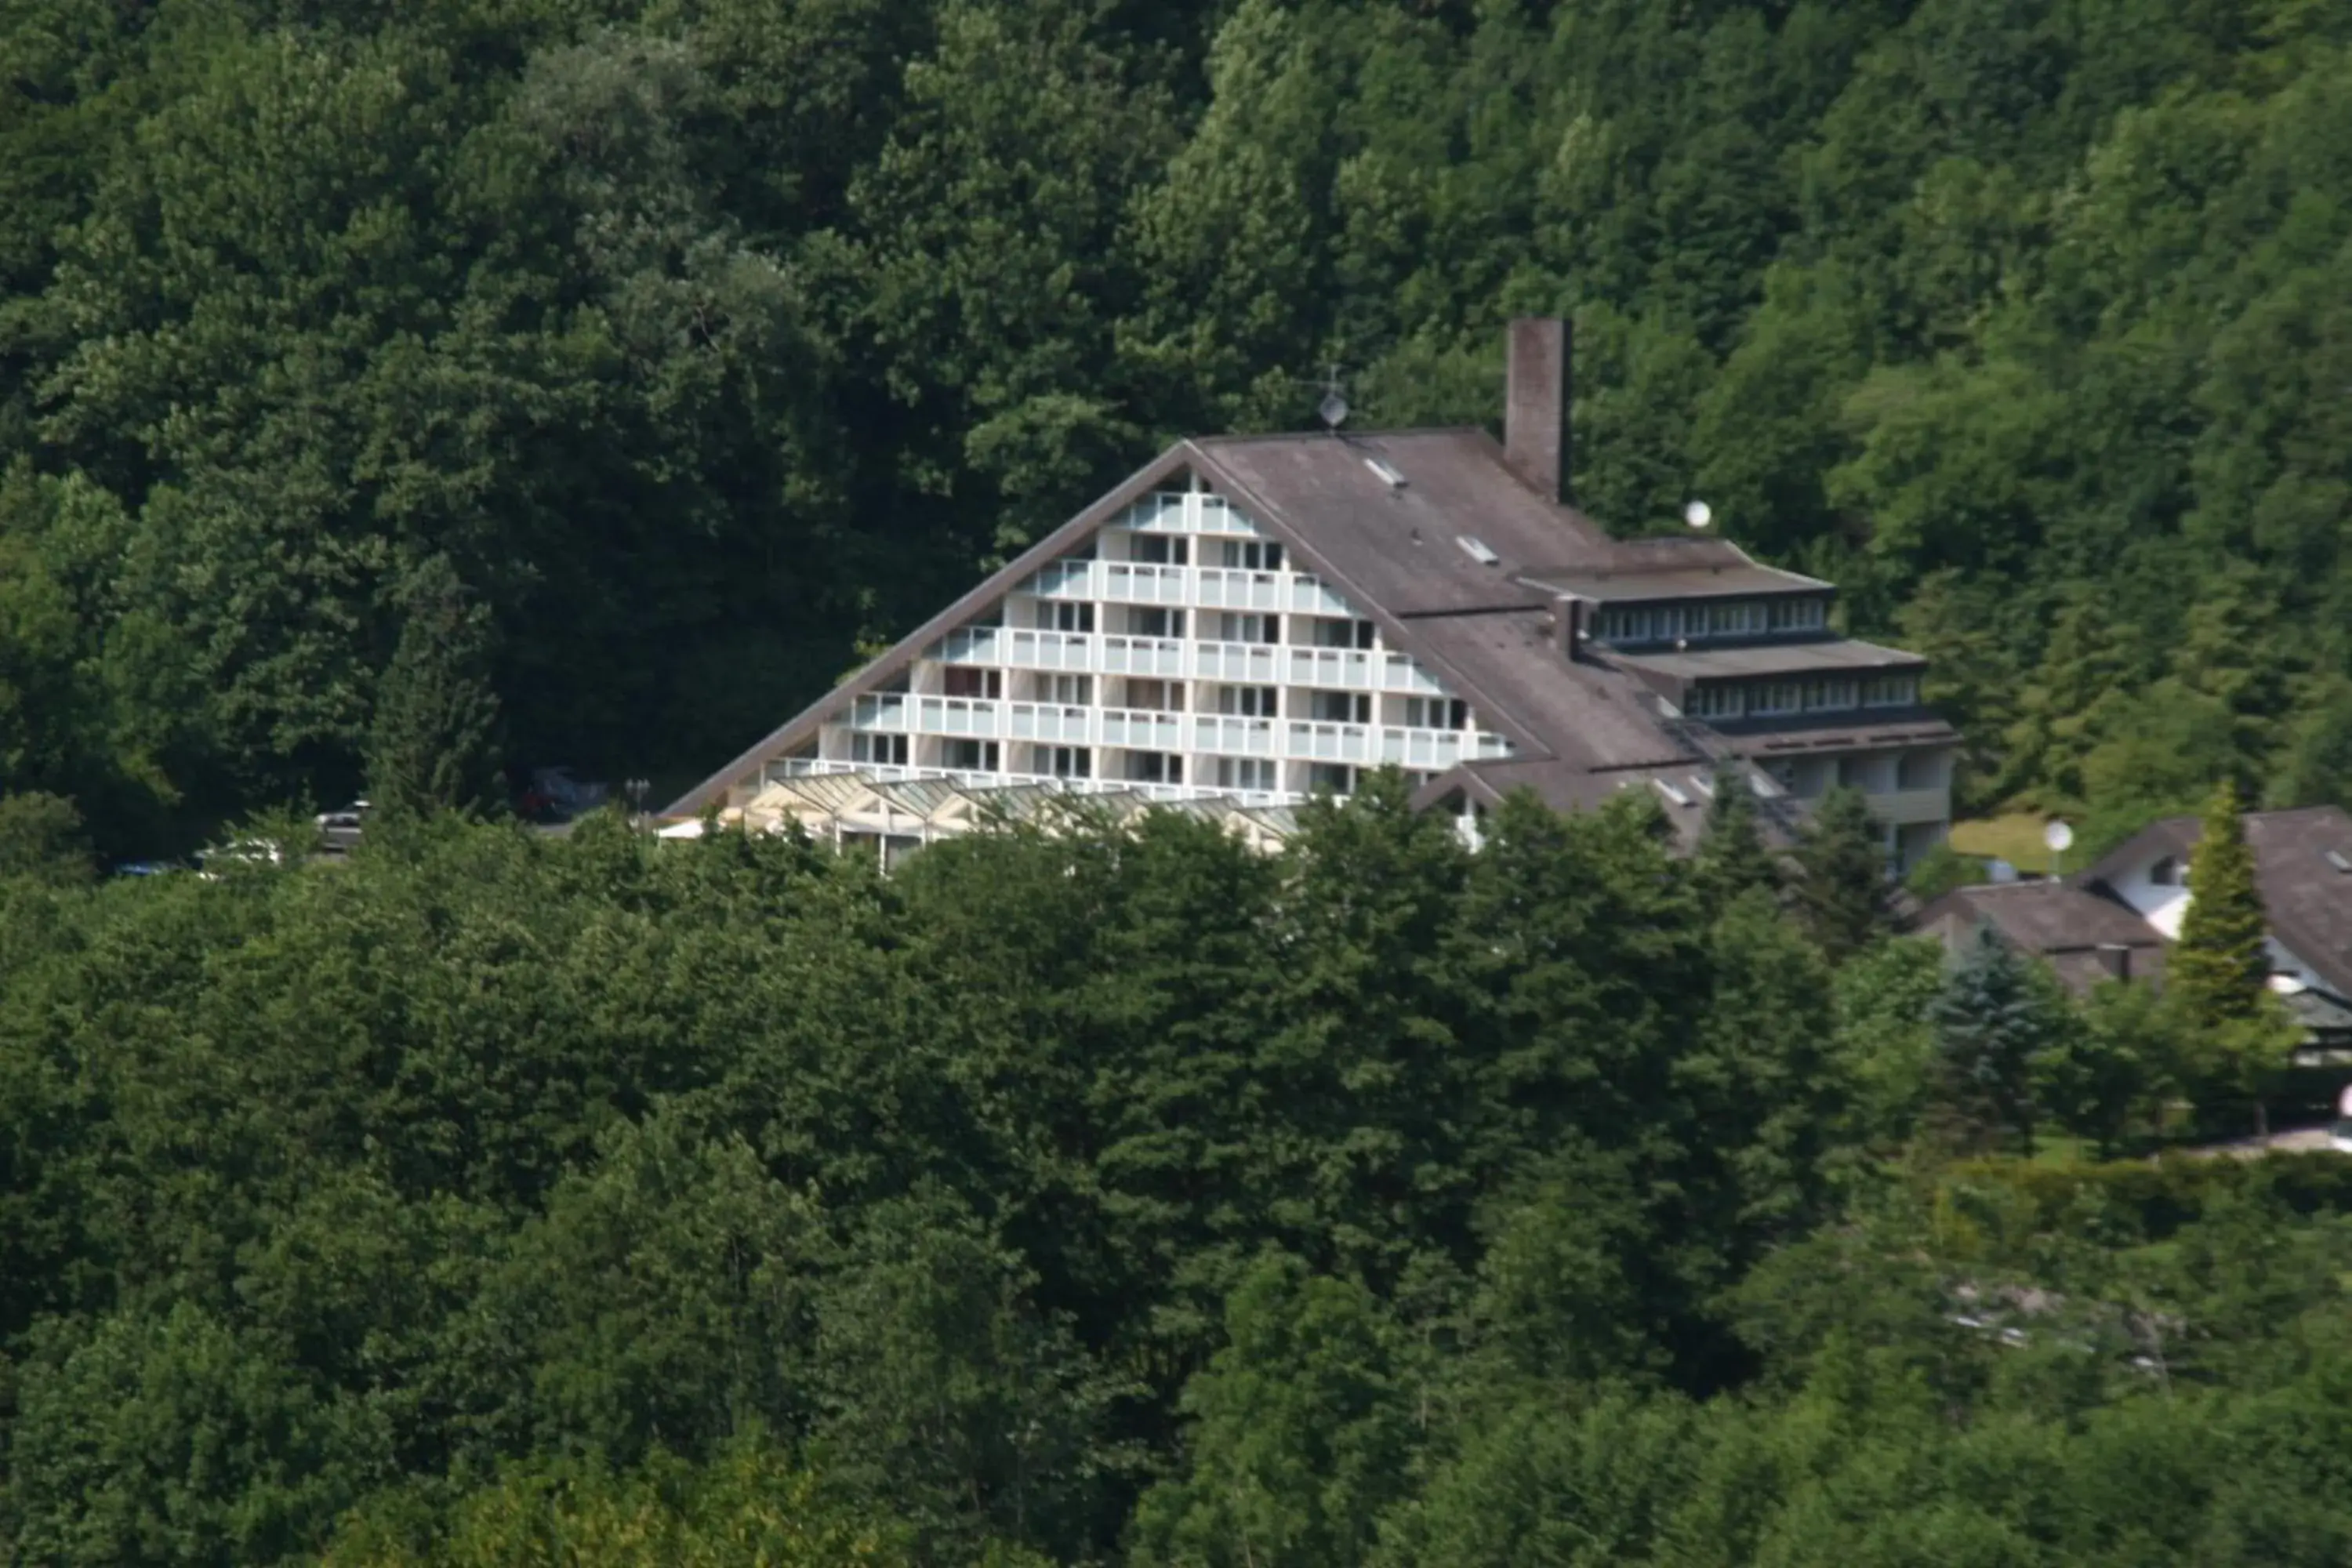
(1709, 573)
(2047, 916)
(2308, 896)
(1402, 546)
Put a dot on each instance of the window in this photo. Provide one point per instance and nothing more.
(1154, 623)
(1337, 778)
(1331, 631)
(888, 750)
(1067, 762)
(1155, 767)
(1244, 773)
(1068, 691)
(1735, 619)
(1252, 555)
(1436, 713)
(1714, 702)
(1231, 628)
(1776, 697)
(1160, 550)
(962, 680)
(1890, 691)
(1156, 696)
(2165, 873)
(1339, 707)
(1798, 615)
(972, 756)
(1249, 702)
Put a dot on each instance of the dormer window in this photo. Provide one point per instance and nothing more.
(2165, 873)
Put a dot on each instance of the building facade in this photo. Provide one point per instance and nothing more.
(1257, 619)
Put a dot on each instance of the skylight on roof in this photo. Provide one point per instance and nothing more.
(1477, 550)
(1388, 473)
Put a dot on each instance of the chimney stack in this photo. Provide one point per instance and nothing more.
(1568, 622)
(1535, 404)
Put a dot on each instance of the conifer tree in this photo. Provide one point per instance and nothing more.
(2217, 972)
(432, 746)
(1841, 891)
(1996, 1024)
(1732, 856)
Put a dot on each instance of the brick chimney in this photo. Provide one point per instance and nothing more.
(1535, 404)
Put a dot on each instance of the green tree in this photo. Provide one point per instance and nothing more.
(1999, 1019)
(1841, 893)
(432, 745)
(1732, 856)
(2218, 969)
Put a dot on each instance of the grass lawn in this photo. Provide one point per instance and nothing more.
(2016, 838)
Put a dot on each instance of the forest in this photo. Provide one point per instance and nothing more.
(1093, 1193)
(675, 354)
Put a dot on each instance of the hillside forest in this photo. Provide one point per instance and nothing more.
(1100, 1193)
(638, 368)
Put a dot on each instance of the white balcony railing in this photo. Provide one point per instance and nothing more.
(1053, 722)
(1399, 673)
(1230, 736)
(1343, 669)
(1066, 580)
(1142, 583)
(1225, 588)
(1163, 657)
(888, 712)
(957, 716)
(1308, 596)
(1322, 743)
(817, 767)
(1142, 730)
(1236, 663)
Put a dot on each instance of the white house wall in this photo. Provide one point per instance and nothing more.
(1181, 679)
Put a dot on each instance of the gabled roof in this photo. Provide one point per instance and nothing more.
(2308, 897)
(2047, 916)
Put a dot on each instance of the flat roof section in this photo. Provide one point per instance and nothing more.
(1836, 655)
(1740, 579)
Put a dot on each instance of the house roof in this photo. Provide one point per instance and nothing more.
(2047, 916)
(1706, 571)
(2308, 896)
(1826, 656)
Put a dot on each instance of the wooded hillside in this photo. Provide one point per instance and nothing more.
(701, 344)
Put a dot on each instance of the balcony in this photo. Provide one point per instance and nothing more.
(1142, 730)
(1340, 669)
(1141, 583)
(957, 716)
(1052, 722)
(1424, 748)
(1159, 656)
(1399, 673)
(1066, 580)
(1330, 743)
(886, 712)
(1238, 663)
(1308, 596)
(1223, 588)
(1228, 735)
(1049, 650)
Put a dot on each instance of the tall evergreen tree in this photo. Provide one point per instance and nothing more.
(1841, 891)
(1732, 856)
(434, 744)
(2217, 973)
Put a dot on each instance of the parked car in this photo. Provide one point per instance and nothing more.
(339, 830)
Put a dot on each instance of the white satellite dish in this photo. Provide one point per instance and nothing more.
(2057, 836)
(2344, 1101)
(1698, 514)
